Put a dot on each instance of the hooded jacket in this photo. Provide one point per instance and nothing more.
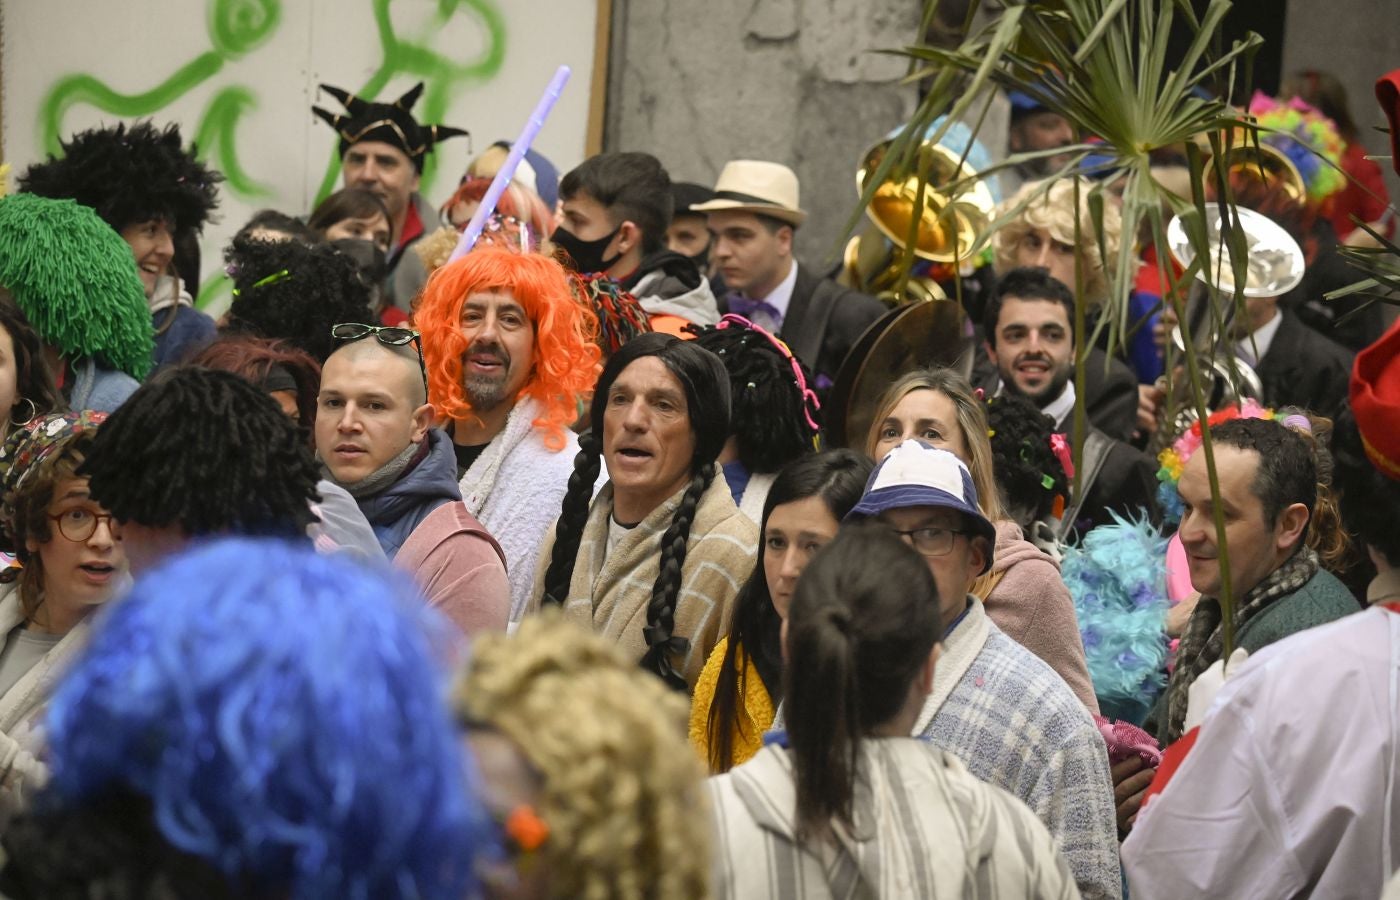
(1032, 605)
(394, 512)
(669, 284)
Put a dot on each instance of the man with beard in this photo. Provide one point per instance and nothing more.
(510, 357)
(375, 438)
(382, 148)
(1030, 340)
(1035, 129)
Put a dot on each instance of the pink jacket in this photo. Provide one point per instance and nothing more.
(1032, 605)
(460, 568)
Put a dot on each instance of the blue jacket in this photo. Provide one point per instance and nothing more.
(187, 331)
(397, 510)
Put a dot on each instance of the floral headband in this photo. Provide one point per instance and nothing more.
(1173, 459)
(810, 403)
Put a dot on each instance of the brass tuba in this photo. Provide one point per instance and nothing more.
(1274, 266)
(958, 209)
(1264, 164)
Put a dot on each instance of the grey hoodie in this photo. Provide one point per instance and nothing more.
(670, 284)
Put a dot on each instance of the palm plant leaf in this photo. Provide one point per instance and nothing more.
(1105, 65)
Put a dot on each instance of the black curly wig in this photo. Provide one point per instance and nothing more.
(205, 451)
(130, 175)
(1027, 470)
(768, 412)
(109, 848)
(285, 290)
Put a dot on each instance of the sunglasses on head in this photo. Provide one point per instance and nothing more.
(389, 335)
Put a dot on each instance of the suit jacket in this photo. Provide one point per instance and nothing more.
(1303, 368)
(1126, 484)
(824, 320)
(1110, 399)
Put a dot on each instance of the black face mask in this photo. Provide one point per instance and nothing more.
(369, 259)
(586, 255)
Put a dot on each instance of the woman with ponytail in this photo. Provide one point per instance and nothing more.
(846, 803)
(653, 563)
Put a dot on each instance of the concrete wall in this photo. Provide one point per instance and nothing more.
(793, 81)
(798, 81)
(1358, 41)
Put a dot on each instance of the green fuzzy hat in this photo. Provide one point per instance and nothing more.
(76, 280)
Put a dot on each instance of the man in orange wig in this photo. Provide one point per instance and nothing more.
(510, 356)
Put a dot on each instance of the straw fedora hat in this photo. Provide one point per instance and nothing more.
(766, 188)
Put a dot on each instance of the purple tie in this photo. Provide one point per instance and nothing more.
(746, 307)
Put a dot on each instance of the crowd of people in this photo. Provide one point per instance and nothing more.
(404, 577)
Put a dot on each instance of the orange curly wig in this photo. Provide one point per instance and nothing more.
(566, 353)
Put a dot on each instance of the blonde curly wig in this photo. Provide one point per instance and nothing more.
(1054, 212)
(622, 793)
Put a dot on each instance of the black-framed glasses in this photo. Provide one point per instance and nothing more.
(930, 540)
(389, 335)
(79, 524)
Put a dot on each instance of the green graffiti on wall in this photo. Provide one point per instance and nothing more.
(415, 58)
(237, 28)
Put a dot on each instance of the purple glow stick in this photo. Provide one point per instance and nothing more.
(507, 171)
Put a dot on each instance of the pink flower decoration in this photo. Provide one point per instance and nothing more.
(1061, 448)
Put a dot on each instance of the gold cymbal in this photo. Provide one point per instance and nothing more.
(919, 335)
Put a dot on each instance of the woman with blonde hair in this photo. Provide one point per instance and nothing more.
(1023, 592)
(586, 767)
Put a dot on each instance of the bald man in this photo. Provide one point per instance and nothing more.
(375, 439)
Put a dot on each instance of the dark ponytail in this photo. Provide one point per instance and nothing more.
(836, 476)
(863, 621)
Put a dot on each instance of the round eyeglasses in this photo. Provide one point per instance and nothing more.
(79, 524)
(930, 541)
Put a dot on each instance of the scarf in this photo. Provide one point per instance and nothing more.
(480, 478)
(382, 477)
(1204, 640)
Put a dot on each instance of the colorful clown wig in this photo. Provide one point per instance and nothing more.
(565, 363)
(275, 715)
(1308, 138)
(1052, 209)
(620, 797)
(76, 281)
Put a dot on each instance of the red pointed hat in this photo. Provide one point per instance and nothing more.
(1375, 401)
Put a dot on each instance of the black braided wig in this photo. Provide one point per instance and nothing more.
(206, 451)
(286, 290)
(130, 174)
(767, 409)
(706, 387)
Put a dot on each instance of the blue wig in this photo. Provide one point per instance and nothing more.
(285, 715)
